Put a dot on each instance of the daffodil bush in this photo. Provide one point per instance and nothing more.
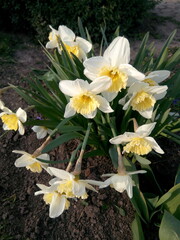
(115, 107)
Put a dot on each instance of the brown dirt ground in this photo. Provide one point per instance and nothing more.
(24, 216)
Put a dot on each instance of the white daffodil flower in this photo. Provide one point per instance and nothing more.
(121, 182)
(70, 185)
(13, 121)
(139, 141)
(58, 202)
(156, 77)
(143, 97)
(30, 162)
(76, 45)
(84, 98)
(53, 39)
(114, 64)
(41, 131)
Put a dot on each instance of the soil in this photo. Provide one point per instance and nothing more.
(106, 215)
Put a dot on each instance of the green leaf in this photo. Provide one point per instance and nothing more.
(162, 55)
(164, 198)
(114, 156)
(140, 204)
(177, 178)
(60, 140)
(142, 160)
(94, 153)
(172, 203)
(169, 228)
(136, 228)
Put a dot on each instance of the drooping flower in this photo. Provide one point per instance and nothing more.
(76, 45)
(70, 185)
(84, 98)
(142, 98)
(121, 182)
(13, 121)
(156, 77)
(41, 131)
(114, 64)
(58, 202)
(31, 162)
(138, 142)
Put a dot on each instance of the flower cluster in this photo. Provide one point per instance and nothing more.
(106, 84)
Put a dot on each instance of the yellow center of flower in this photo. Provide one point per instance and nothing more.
(73, 49)
(150, 82)
(35, 167)
(84, 103)
(10, 120)
(142, 101)
(138, 145)
(66, 188)
(119, 79)
(48, 197)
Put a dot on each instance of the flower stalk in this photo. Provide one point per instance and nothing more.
(38, 151)
(77, 169)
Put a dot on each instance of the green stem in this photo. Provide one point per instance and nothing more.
(77, 169)
(121, 167)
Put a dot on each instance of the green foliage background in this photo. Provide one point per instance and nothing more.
(32, 16)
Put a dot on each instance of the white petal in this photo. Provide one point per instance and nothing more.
(100, 85)
(118, 51)
(126, 137)
(157, 90)
(93, 182)
(73, 88)
(137, 172)
(79, 188)
(104, 105)
(61, 174)
(133, 74)
(52, 44)
(41, 134)
(154, 145)
(147, 114)
(66, 33)
(36, 128)
(21, 114)
(21, 128)
(129, 188)
(106, 183)
(21, 152)
(1, 104)
(57, 205)
(84, 44)
(158, 76)
(146, 129)
(137, 86)
(160, 96)
(94, 64)
(24, 161)
(44, 156)
(109, 96)
(69, 111)
(90, 115)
